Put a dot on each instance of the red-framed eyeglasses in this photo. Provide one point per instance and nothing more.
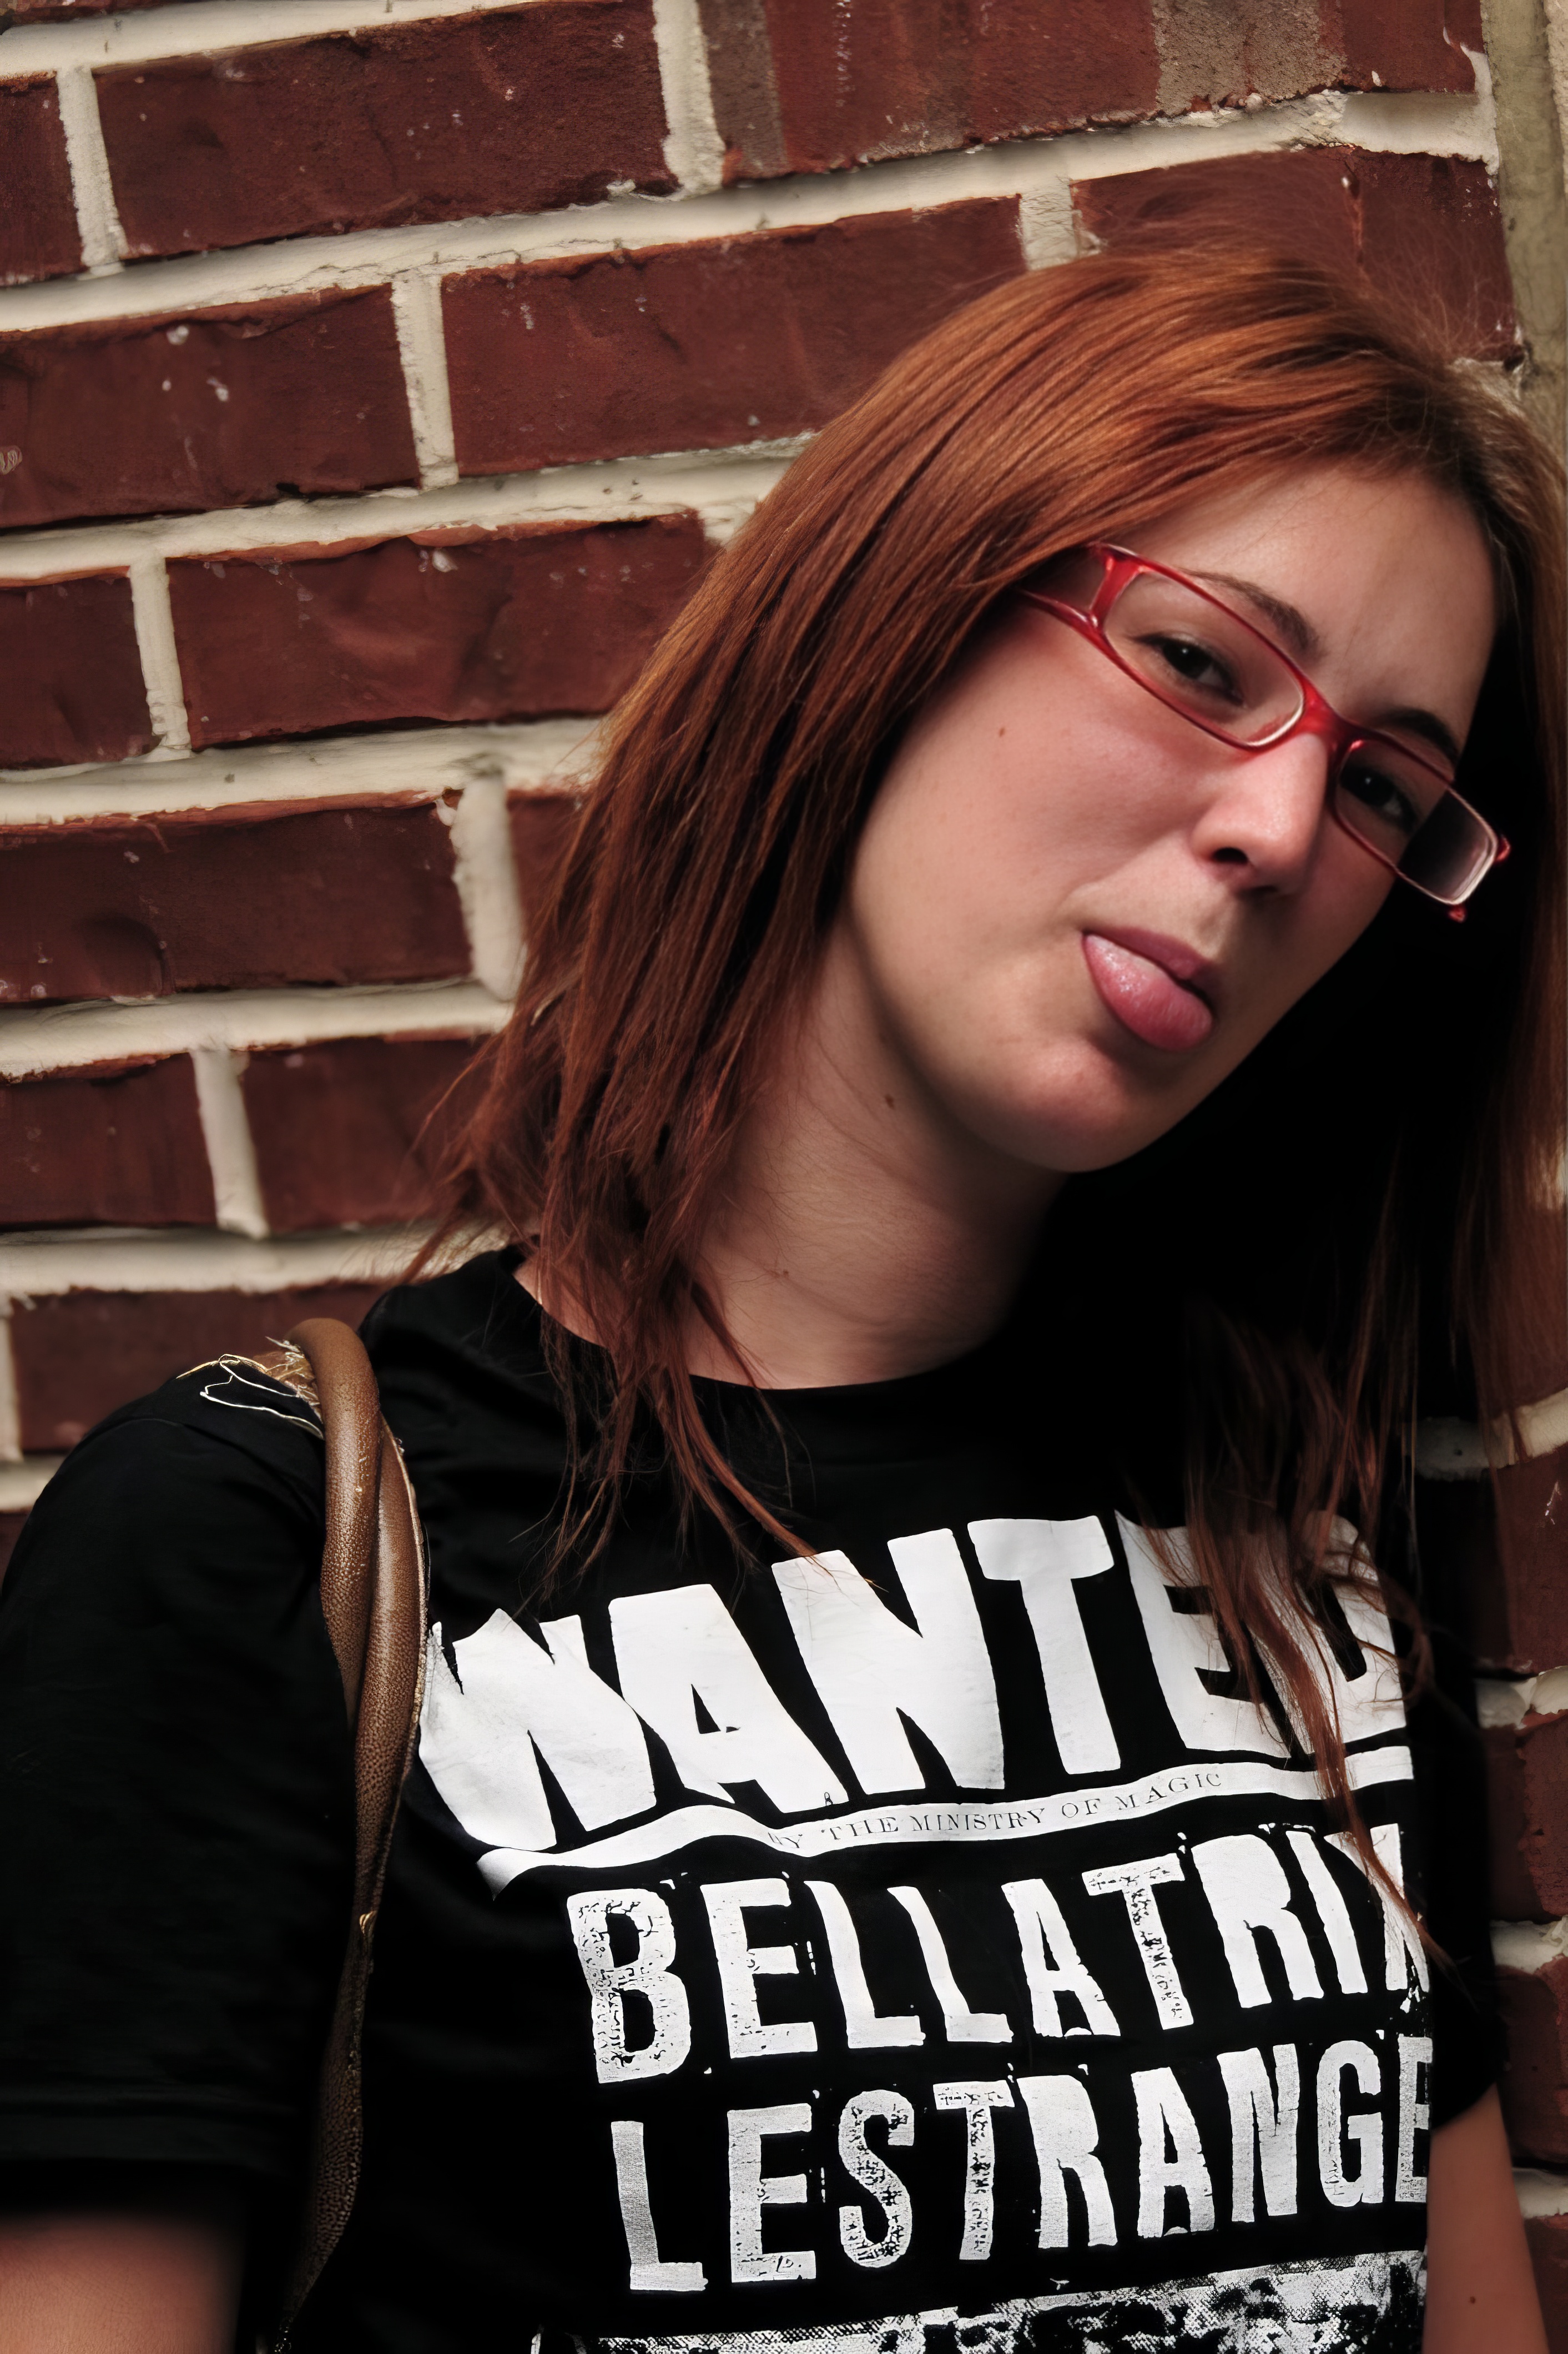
(1205, 662)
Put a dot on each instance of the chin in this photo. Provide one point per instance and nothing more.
(1082, 1115)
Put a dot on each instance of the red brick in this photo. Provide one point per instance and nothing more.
(340, 1127)
(1404, 44)
(856, 79)
(119, 1146)
(446, 625)
(1527, 1780)
(526, 109)
(1534, 2084)
(1213, 58)
(1521, 1592)
(542, 826)
(136, 416)
(1505, 1546)
(72, 672)
(673, 348)
(39, 235)
(1424, 230)
(250, 899)
(1548, 2238)
(1504, 1542)
(81, 1354)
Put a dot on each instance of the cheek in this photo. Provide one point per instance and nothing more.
(980, 831)
(1347, 892)
(1346, 896)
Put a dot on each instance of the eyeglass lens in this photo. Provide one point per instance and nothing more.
(1208, 664)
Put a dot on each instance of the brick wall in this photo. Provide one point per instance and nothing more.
(374, 380)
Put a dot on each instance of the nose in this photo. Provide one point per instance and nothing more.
(1265, 813)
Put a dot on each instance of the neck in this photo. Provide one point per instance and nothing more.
(865, 1233)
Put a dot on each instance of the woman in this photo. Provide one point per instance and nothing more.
(918, 1831)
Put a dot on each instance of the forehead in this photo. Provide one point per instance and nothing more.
(1328, 526)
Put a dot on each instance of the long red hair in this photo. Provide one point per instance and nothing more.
(1349, 1217)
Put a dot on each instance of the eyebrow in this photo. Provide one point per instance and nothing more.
(1417, 722)
(1299, 634)
(1292, 625)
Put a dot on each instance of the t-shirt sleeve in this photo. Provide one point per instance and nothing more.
(177, 1792)
(1467, 2033)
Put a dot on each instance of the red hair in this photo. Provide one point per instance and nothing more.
(1076, 404)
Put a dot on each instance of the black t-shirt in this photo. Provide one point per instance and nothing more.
(922, 1943)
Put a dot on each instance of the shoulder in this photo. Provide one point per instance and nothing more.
(221, 1467)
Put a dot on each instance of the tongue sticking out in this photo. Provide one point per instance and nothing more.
(1142, 995)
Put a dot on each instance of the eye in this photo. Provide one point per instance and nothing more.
(1381, 796)
(1187, 664)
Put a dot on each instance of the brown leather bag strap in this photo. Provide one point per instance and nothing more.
(351, 1424)
(373, 1598)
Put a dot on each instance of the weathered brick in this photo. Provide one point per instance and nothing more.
(82, 1353)
(1534, 2084)
(72, 671)
(1424, 230)
(219, 408)
(58, 12)
(340, 1129)
(1215, 53)
(851, 80)
(542, 826)
(1526, 1781)
(1517, 1552)
(445, 625)
(745, 89)
(121, 1145)
(673, 348)
(1404, 44)
(251, 898)
(1548, 2238)
(39, 235)
(516, 111)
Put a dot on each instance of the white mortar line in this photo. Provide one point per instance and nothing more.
(1506, 1700)
(96, 218)
(34, 1039)
(1450, 1450)
(486, 878)
(1381, 122)
(1047, 230)
(42, 1267)
(721, 487)
(1539, 2192)
(422, 347)
(1529, 1945)
(154, 621)
(21, 1484)
(693, 152)
(203, 24)
(10, 1410)
(414, 763)
(1485, 106)
(230, 1147)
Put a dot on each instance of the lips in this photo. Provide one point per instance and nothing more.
(1149, 983)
